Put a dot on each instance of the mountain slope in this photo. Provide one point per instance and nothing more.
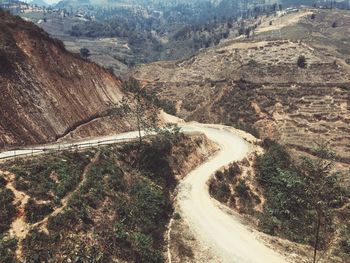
(46, 91)
(258, 85)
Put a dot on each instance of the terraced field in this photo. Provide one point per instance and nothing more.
(257, 85)
(311, 114)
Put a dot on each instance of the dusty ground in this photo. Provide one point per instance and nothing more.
(184, 246)
(19, 227)
(281, 20)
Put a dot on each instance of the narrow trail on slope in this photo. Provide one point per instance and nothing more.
(42, 224)
(19, 227)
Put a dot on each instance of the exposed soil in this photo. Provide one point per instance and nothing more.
(281, 20)
(19, 227)
(46, 91)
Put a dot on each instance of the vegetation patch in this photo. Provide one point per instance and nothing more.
(302, 197)
(35, 212)
(301, 62)
(7, 209)
(304, 200)
(124, 209)
(48, 178)
(133, 86)
(7, 213)
(234, 109)
(7, 249)
(118, 210)
(344, 242)
(229, 187)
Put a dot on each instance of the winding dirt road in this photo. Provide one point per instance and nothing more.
(229, 238)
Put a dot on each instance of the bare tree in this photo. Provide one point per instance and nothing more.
(137, 108)
(323, 193)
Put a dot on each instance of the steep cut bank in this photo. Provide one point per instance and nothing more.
(45, 90)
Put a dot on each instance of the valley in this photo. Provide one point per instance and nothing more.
(123, 35)
(145, 131)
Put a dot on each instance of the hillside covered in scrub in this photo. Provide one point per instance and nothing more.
(101, 205)
(289, 199)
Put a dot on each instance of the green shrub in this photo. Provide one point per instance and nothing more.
(301, 62)
(143, 246)
(177, 216)
(49, 177)
(220, 190)
(293, 192)
(35, 247)
(242, 190)
(124, 202)
(7, 209)
(219, 175)
(64, 221)
(233, 170)
(247, 127)
(167, 106)
(2, 182)
(116, 182)
(152, 160)
(121, 232)
(344, 243)
(8, 246)
(149, 206)
(35, 212)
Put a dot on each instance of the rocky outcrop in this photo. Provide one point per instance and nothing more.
(45, 90)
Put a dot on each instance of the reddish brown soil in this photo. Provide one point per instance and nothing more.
(45, 90)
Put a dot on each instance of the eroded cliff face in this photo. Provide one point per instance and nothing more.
(45, 90)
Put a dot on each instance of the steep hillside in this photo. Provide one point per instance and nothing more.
(323, 29)
(55, 211)
(45, 90)
(258, 85)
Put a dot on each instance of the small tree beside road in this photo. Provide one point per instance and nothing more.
(137, 109)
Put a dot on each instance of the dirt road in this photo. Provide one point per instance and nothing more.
(229, 238)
